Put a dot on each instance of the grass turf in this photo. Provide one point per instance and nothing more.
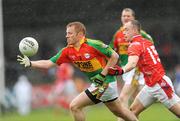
(156, 112)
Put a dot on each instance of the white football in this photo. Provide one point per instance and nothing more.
(28, 46)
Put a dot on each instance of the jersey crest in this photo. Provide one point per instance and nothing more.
(87, 55)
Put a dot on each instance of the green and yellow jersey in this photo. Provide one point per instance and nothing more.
(90, 58)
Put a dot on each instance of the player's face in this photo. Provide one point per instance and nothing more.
(128, 31)
(71, 35)
(126, 17)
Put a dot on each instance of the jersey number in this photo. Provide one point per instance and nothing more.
(154, 55)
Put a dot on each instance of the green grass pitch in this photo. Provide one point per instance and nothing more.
(156, 112)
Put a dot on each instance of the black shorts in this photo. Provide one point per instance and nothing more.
(94, 99)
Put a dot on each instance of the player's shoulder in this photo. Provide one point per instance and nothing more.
(146, 35)
(64, 49)
(96, 43)
(135, 47)
(59, 53)
(119, 32)
(147, 42)
(143, 31)
(93, 41)
(89, 40)
(134, 44)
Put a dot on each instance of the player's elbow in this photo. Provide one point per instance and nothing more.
(48, 64)
(47, 67)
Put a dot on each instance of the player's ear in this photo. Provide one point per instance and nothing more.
(80, 34)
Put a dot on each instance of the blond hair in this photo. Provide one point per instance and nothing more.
(79, 27)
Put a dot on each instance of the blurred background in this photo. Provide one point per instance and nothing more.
(45, 20)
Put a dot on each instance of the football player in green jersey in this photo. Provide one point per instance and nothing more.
(93, 58)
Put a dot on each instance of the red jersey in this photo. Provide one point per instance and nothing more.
(149, 62)
(120, 45)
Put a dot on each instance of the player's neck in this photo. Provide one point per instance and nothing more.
(77, 46)
(79, 43)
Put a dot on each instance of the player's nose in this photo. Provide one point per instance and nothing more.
(67, 36)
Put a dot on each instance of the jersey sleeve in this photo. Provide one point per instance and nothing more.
(60, 57)
(100, 46)
(147, 36)
(135, 48)
(111, 44)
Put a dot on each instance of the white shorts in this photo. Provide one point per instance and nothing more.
(133, 75)
(110, 93)
(162, 91)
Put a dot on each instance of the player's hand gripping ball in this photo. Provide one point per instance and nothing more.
(28, 46)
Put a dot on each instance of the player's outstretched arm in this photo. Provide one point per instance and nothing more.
(42, 64)
(39, 64)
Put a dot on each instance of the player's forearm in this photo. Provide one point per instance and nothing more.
(111, 62)
(132, 63)
(128, 67)
(42, 64)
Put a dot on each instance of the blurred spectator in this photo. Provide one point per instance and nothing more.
(23, 90)
(177, 79)
(8, 102)
(81, 84)
(64, 89)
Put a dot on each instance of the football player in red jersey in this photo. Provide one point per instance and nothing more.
(133, 81)
(94, 59)
(142, 53)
